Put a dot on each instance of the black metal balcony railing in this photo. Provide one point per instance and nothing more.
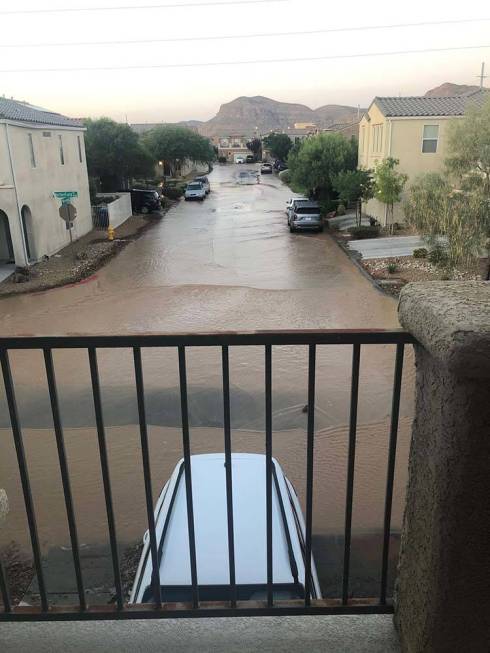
(197, 608)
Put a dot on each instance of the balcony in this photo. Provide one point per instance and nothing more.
(453, 357)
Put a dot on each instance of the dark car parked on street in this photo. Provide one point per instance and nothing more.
(145, 200)
(279, 165)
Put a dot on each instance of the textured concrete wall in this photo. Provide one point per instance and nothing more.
(442, 592)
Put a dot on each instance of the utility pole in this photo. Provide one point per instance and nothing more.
(482, 75)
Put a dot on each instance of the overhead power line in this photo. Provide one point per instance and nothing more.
(361, 28)
(203, 64)
(173, 5)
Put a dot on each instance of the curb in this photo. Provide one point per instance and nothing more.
(362, 270)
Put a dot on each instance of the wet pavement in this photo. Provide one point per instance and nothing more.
(229, 263)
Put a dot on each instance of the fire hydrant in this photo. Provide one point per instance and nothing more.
(110, 233)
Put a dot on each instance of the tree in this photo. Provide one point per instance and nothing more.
(469, 150)
(317, 162)
(255, 146)
(354, 186)
(389, 185)
(436, 209)
(278, 144)
(176, 144)
(115, 153)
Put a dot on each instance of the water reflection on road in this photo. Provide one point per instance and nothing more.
(227, 264)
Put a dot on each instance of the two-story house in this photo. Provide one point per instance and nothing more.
(412, 130)
(42, 155)
(233, 145)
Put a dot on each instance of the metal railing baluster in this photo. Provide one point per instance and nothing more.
(65, 477)
(145, 455)
(268, 471)
(395, 413)
(188, 477)
(229, 472)
(4, 590)
(24, 475)
(104, 464)
(356, 353)
(309, 469)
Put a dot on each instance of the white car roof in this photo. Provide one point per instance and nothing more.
(210, 521)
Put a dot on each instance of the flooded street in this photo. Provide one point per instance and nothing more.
(229, 263)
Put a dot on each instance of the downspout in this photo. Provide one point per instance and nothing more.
(390, 122)
(19, 212)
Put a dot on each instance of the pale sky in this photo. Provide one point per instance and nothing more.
(181, 93)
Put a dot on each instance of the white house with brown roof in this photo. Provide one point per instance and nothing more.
(412, 130)
(42, 154)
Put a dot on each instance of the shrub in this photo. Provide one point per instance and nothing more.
(392, 268)
(420, 252)
(173, 193)
(285, 176)
(438, 256)
(341, 209)
(364, 232)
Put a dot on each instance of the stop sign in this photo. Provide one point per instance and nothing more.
(68, 212)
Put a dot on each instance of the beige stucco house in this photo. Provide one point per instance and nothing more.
(412, 130)
(41, 153)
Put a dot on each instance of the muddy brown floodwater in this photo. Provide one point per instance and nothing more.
(228, 264)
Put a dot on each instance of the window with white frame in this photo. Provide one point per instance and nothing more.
(31, 150)
(62, 154)
(377, 138)
(430, 138)
(80, 157)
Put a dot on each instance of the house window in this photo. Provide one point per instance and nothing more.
(62, 154)
(377, 138)
(430, 138)
(79, 140)
(31, 150)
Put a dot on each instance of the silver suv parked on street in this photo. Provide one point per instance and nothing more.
(305, 216)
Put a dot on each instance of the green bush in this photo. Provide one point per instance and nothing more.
(173, 193)
(420, 252)
(437, 256)
(341, 209)
(392, 268)
(285, 176)
(364, 231)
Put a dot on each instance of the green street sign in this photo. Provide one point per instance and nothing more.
(65, 195)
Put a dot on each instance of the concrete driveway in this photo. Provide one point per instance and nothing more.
(387, 247)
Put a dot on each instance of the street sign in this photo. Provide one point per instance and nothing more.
(67, 212)
(65, 195)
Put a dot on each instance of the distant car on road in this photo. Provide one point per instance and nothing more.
(205, 182)
(266, 169)
(279, 165)
(195, 191)
(292, 201)
(211, 535)
(239, 159)
(305, 216)
(250, 158)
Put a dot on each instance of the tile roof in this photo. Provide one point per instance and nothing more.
(24, 112)
(454, 105)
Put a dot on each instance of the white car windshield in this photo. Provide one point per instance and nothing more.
(194, 187)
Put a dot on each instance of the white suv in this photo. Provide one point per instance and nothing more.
(211, 534)
(195, 191)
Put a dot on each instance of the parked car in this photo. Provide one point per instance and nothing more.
(239, 159)
(266, 169)
(290, 203)
(211, 534)
(145, 201)
(205, 182)
(305, 216)
(279, 165)
(195, 191)
(250, 158)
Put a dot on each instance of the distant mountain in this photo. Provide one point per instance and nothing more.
(245, 115)
(448, 88)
